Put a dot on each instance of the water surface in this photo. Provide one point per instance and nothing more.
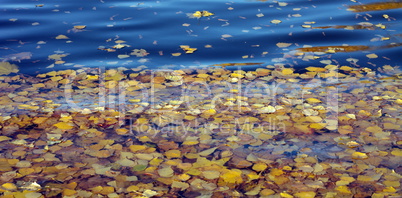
(238, 32)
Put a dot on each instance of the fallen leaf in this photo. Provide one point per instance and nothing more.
(61, 37)
(7, 68)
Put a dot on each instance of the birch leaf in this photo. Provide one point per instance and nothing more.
(7, 68)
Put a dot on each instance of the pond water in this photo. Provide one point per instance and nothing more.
(133, 98)
(239, 31)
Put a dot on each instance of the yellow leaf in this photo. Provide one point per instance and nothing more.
(397, 152)
(213, 174)
(316, 69)
(359, 155)
(173, 154)
(372, 56)
(206, 13)
(232, 176)
(119, 46)
(190, 142)
(313, 100)
(176, 54)
(276, 172)
(135, 148)
(346, 68)
(7, 68)
(9, 186)
(343, 189)
(287, 71)
(119, 41)
(281, 45)
(64, 125)
(197, 14)
(121, 56)
(166, 172)
(259, 166)
(209, 112)
(80, 27)
(4, 138)
(275, 21)
(286, 195)
(61, 37)
(309, 194)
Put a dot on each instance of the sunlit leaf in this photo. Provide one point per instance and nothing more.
(61, 37)
(197, 14)
(121, 56)
(80, 27)
(283, 44)
(176, 54)
(275, 21)
(206, 13)
(372, 56)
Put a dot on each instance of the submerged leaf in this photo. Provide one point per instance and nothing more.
(7, 68)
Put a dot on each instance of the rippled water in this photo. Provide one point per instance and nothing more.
(239, 31)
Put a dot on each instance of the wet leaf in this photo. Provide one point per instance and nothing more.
(206, 13)
(61, 37)
(372, 56)
(282, 45)
(80, 27)
(275, 21)
(7, 68)
(166, 172)
(232, 176)
(176, 54)
(64, 125)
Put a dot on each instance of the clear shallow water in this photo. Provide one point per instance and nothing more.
(160, 27)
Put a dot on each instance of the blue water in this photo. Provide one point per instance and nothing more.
(160, 27)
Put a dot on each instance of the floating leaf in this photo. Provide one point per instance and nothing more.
(61, 37)
(206, 13)
(197, 14)
(275, 21)
(226, 36)
(9, 186)
(80, 27)
(187, 49)
(121, 56)
(281, 45)
(372, 56)
(176, 54)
